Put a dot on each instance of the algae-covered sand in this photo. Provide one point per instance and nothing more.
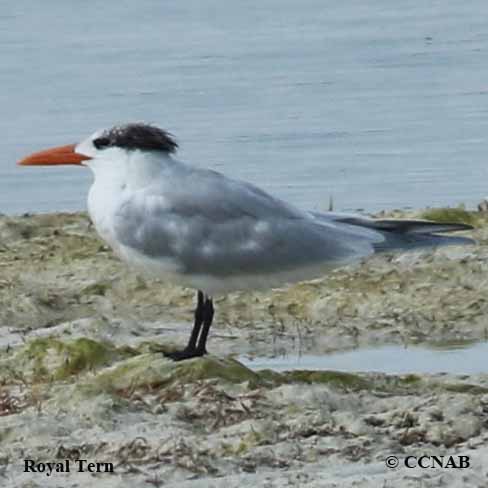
(82, 375)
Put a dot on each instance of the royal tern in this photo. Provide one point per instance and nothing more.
(197, 228)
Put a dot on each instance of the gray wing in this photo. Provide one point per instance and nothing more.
(209, 224)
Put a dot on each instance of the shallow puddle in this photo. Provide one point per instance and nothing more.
(453, 358)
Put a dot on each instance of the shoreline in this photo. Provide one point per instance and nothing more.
(81, 368)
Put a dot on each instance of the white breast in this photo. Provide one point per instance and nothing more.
(103, 201)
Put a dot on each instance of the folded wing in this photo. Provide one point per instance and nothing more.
(223, 226)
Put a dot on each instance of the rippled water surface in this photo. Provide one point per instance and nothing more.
(378, 104)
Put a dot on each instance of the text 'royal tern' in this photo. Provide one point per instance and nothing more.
(197, 228)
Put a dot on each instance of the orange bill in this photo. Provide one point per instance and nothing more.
(55, 155)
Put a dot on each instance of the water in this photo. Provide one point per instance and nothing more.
(378, 104)
(461, 359)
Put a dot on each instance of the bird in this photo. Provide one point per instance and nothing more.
(197, 228)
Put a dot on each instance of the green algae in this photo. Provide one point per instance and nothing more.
(85, 354)
(410, 379)
(247, 442)
(49, 358)
(335, 379)
(464, 388)
(452, 215)
(152, 371)
(99, 288)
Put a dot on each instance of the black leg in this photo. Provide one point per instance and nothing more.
(207, 322)
(197, 324)
(203, 316)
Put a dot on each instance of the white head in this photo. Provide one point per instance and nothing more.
(132, 148)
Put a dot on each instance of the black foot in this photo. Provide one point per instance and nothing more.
(196, 346)
(185, 354)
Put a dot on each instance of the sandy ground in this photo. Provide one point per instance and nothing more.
(82, 375)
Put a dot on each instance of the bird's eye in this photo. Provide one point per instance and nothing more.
(101, 142)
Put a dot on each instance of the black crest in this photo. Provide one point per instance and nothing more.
(137, 136)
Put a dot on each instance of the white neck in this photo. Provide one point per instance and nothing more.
(117, 176)
(136, 170)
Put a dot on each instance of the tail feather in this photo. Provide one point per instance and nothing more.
(406, 226)
(410, 234)
(415, 234)
(399, 234)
